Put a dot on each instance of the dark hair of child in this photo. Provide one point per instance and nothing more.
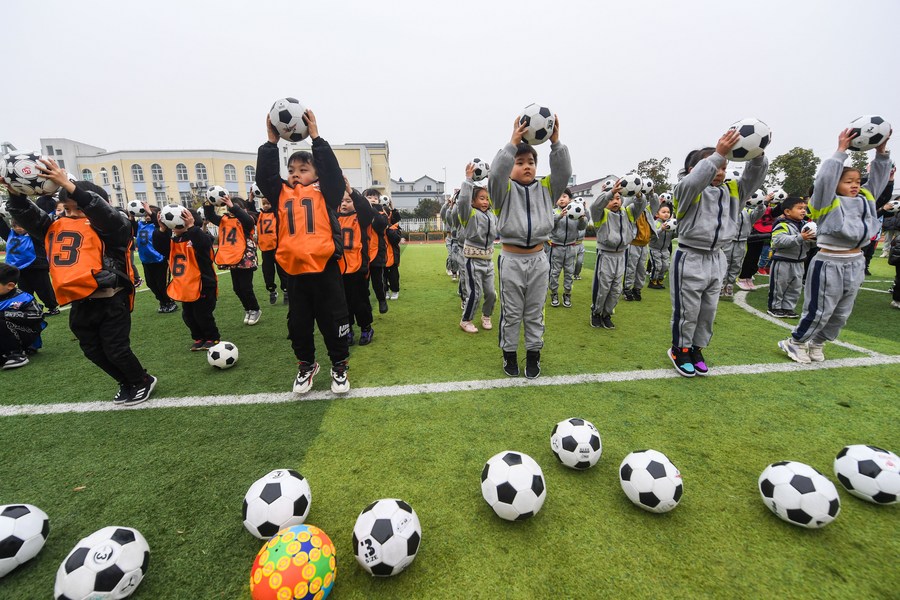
(790, 202)
(695, 156)
(371, 192)
(8, 273)
(302, 157)
(524, 148)
(87, 186)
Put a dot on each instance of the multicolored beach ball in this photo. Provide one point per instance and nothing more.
(297, 564)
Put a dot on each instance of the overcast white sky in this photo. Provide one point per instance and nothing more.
(443, 81)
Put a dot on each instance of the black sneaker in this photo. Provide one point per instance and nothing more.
(208, 344)
(351, 337)
(52, 312)
(596, 320)
(365, 336)
(284, 298)
(637, 294)
(567, 300)
(607, 322)
(141, 392)
(700, 367)
(14, 360)
(168, 308)
(554, 300)
(273, 297)
(532, 364)
(776, 312)
(790, 314)
(511, 364)
(629, 296)
(197, 346)
(382, 306)
(123, 393)
(681, 358)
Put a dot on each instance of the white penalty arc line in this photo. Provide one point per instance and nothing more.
(443, 388)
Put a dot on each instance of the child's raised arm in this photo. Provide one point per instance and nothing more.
(331, 178)
(501, 168)
(268, 173)
(880, 169)
(560, 164)
(693, 183)
(825, 187)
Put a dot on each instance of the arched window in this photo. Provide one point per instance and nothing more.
(249, 174)
(87, 175)
(156, 172)
(200, 169)
(230, 173)
(181, 172)
(116, 178)
(104, 176)
(137, 173)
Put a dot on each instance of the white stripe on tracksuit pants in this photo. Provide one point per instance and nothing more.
(832, 283)
(480, 278)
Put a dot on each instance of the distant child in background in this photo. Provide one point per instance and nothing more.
(845, 212)
(579, 245)
(237, 252)
(267, 240)
(28, 255)
(156, 267)
(563, 249)
(790, 245)
(616, 229)
(21, 321)
(480, 229)
(460, 235)
(392, 266)
(637, 253)
(524, 208)
(659, 246)
(377, 265)
(450, 233)
(706, 207)
(189, 253)
(757, 245)
(736, 249)
(355, 217)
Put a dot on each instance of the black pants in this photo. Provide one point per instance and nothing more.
(319, 298)
(356, 291)
(14, 338)
(155, 276)
(751, 259)
(37, 282)
(103, 329)
(392, 277)
(269, 268)
(868, 252)
(198, 316)
(242, 284)
(376, 276)
(896, 294)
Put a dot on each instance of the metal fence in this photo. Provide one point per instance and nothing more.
(423, 225)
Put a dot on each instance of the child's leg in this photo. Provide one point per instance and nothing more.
(392, 274)
(301, 316)
(568, 268)
(376, 275)
(851, 275)
(187, 315)
(513, 280)
(735, 259)
(779, 277)
(751, 259)
(474, 295)
(155, 277)
(449, 244)
(579, 259)
(632, 254)
(350, 293)
(461, 265)
(612, 272)
(454, 256)
(13, 338)
(792, 286)
(103, 329)
(487, 282)
(204, 317)
(268, 269)
(687, 285)
(242, 284)
(556, 258)
(664, 264)
(331, 312)
(713, 266)
(640, 270)
(825, 287)
(363, 307)
(37, 282)
(601, 285)
(537, 270)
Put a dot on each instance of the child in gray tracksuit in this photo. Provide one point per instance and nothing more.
(736, 249)
(844, 211)
(479, 227)
(615, 229)
(524, 208)
(449, 236)
(706, 208)
(460, 237)
(636, 254)
(563, 249)
(659, 246)
(579, 247)
(790, 245)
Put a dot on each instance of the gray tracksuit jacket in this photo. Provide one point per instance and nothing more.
(787, 243)
(845, 223)
(746, 218)
(707, 216)
(663, 237)
(565, 230)
(525, 212)
(478, 228)
(615, 229)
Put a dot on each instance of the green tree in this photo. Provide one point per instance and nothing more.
(658, 171)
(427, 208)
(860, 161)
(795, 169)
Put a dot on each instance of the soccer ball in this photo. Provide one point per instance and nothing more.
(298, 563)
(513, 485)
(576, 211)
(651, 481)
(540, 121)
(870, 131)
(171, 216)
(665, 197)
(779, 194)
(385, 201)
(4, 211)
(811, 227)
(868, 472)
(216, 194)
(647, 185)
(20, 171)
(608, 184)
(108, 564)
(799, 494)
(671, 224)
(482, 170)
(576, 443)
(732, 175)
(755, 136)
(23, 530)
(892, 207)
(280, 499)
(631, 184)
(286, 115)
(223, 355)
(136, 208)
(386, 537)
(756, 198)
(257, 193)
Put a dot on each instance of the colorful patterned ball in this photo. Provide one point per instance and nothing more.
(298, 563)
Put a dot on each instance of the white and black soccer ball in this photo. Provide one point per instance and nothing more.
(608, 184)
(482, 170)
(386, 537)
(647, 185)
(4, 211)
(513, 485)
(385, 201)
(756, 198)
(223, 355)
(665, 197)
(671, 224)
(280, 499)
(651, 481)
(23, 530)
(869, 472)
(540, 121)
(257, 193)
(136, 208)
(779, 195)
(892, 206)
(755, 136)
(107, 565)
(20, 171)
(576, 443)
(732, 175)
(286, 115)
(799, 494)
(631, 184)
(217, 194)
(172, 216)
(575, 211)
(811, 227)
(870, 131)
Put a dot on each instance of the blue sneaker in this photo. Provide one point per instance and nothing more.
(681, 358)
(365, 336)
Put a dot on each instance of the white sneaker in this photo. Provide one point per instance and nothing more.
(468, 327)
(797, 352)
(339, 382)
(816, 353)
(304, 381)
(883, 254)
(396, 295)
(246, 317)
(486, 322)
(253, 317)
(895, 303)
(729, 291)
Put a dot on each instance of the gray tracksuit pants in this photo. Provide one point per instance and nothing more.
(449, 243)
(694, 284)
(607, 287)
(636, 266)
(659, 263)
(785, 283)
(562, 258)
(579, 259)
(453, 250)
(831, 287)
(461, 262)
(480, 278)
(734, 254)
(523, 291)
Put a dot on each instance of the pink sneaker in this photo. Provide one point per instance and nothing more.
(486, 322)
(746, 285)
(468, 327)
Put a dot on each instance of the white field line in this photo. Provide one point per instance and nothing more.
(444, 388)
(874, 290)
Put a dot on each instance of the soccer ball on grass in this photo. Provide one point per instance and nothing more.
(799, 494)
(386, 537)
(513, 485)
(651, 481)
(23, 530)
(280, 499)
(108, 564)
(223, 355)
(576, 443)
(869, 472)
